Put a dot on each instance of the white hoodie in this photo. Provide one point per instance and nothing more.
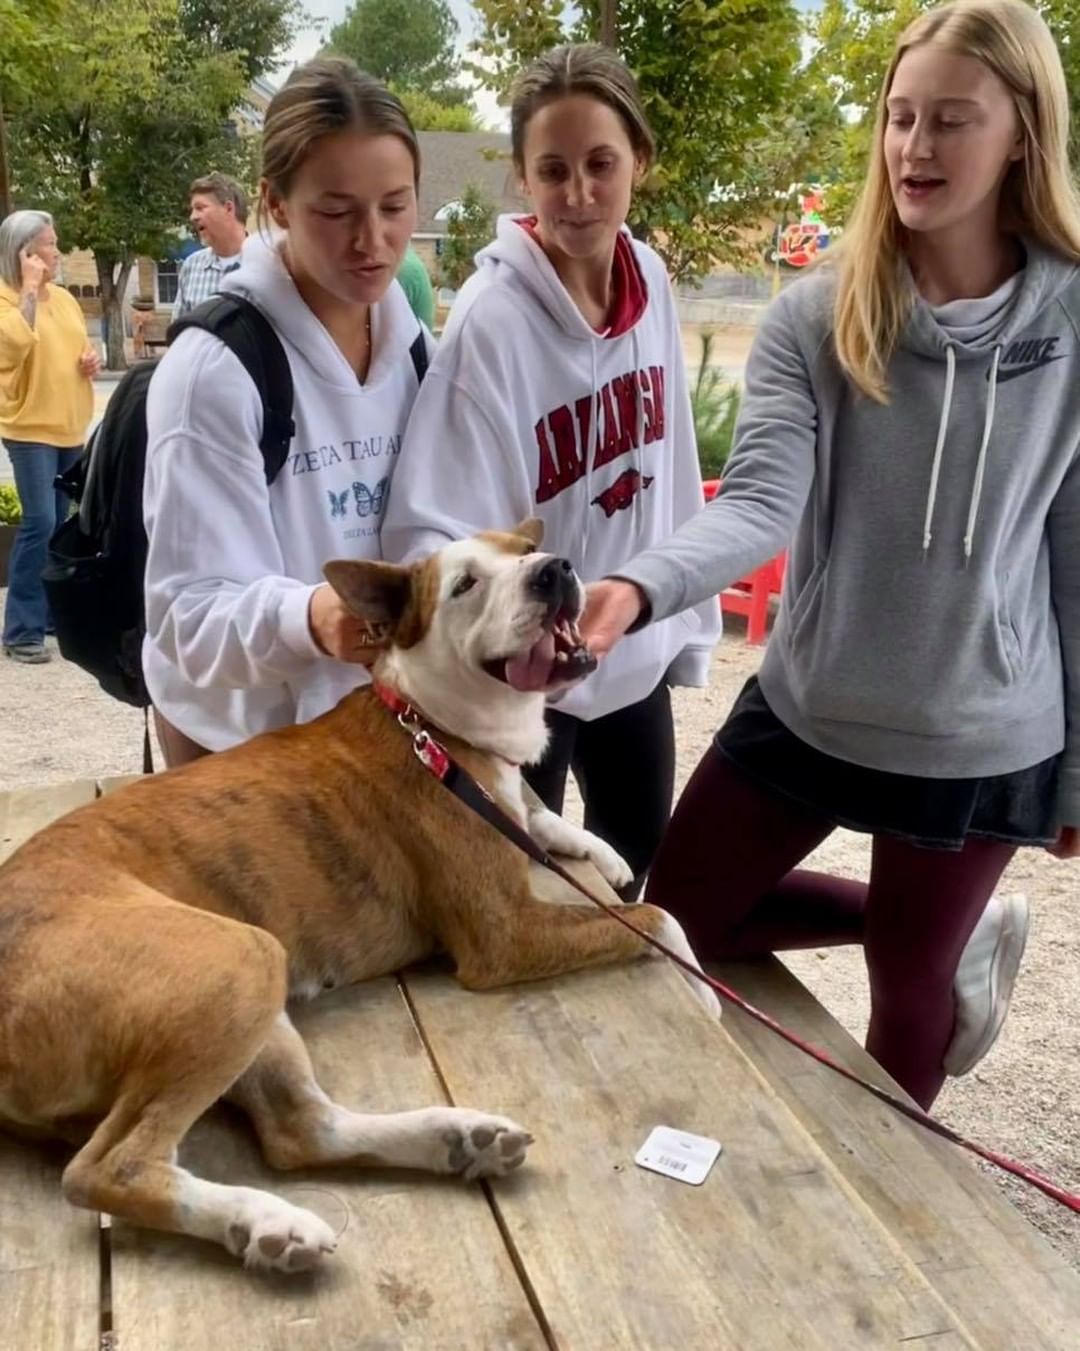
(520, 388)
(232, 563)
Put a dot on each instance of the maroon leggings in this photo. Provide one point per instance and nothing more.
(725, 870)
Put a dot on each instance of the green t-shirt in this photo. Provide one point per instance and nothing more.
(416, 284)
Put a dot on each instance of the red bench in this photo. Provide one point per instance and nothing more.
(750, 595)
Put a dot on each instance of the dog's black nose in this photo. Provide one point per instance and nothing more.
(555, 582)
(552, 577)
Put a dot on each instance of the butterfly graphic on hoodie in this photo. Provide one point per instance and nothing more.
(337, 502)
(370, 501)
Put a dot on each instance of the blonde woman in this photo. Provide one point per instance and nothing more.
(242, 633)
(912, 414)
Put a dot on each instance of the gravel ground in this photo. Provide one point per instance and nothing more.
(1024, 1099)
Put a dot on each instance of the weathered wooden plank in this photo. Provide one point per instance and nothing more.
(420, 1262)
(1002, 1278)
(49, 1279)
(23, 811)
(774, 1250)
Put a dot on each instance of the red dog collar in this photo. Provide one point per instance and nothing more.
(430, 752)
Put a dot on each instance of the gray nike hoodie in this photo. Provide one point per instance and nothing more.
(930, 619)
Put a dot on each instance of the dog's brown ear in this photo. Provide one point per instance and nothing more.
(377, 593)
(532, 530)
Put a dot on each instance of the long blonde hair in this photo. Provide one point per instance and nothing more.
(1038, 198)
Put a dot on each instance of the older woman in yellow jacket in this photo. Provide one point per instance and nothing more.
(46, 402)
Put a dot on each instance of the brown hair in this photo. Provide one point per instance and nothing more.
(580, 68)
(224, 190)
(1038, 197)
(320, 97)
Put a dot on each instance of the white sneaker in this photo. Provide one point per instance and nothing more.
(984, 980)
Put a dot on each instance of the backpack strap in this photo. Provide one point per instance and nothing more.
(250, 336)
(418, 352)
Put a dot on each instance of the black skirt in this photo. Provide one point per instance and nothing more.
(1016, 808)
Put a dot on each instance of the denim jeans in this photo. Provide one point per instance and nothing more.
(27, 614)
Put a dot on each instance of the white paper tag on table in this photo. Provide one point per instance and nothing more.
(678, 1154)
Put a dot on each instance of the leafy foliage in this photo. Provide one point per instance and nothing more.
(715, 405)
(109, 146)
(428, 114)
(468, 229)
(10, 506)
(407, 43)
(717, 79)
(30, 38)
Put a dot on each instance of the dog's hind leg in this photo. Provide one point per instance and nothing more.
(299, 1126)
(188, 1045)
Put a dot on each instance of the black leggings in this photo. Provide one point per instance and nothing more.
(624, 764)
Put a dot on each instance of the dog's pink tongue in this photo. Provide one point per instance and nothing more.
(532, 670)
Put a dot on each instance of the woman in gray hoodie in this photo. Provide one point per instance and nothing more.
(912, 416)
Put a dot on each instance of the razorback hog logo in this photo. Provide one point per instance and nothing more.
(626, 413)
(622, 492)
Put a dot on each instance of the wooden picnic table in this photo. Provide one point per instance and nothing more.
(828, 1221)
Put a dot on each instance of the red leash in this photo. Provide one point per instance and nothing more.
(437, 760)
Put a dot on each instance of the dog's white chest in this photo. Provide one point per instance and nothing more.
(507, 790)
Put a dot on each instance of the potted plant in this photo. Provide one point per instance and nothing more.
(10, 516)
(715, 405)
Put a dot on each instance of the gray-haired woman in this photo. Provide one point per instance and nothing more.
(46, 402)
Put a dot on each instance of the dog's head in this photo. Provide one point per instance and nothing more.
(481, 613)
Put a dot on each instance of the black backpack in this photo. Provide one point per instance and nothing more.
(97, 557)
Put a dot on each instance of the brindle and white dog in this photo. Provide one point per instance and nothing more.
(149, 941)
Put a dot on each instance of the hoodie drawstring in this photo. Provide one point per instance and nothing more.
(939, 450)
(943, 427)
(589, 450)
(980, 465)
(637, 457)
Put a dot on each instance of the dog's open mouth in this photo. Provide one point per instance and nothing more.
(559, 658)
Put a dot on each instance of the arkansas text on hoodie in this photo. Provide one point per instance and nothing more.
(232, 563)
(527, 411)
(931, 616)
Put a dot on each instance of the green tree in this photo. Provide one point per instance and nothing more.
(716, 77)
(854, 41)
(407, 43)
(428, 114)
(110, 146)
(31, 37)
(256, 31)
(470, 226)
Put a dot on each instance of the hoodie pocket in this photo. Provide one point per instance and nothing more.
(806, 602)
(1012, 650)
(902, 648)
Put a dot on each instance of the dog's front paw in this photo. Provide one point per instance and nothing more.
(609, 863)
(561, 837)
(479, 1145)
(672, 936)
(274, 1235)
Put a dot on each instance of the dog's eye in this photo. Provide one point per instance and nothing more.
(464, 583)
